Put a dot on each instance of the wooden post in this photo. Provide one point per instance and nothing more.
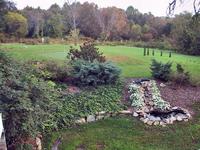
(148, 51)
(170, 54)
(144, 51)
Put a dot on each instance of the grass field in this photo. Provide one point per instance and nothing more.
(128, 134)
(130, 59)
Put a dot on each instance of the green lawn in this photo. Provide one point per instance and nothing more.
(128, 134)
(130, 59)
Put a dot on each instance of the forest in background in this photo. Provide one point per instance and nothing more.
(76, 20)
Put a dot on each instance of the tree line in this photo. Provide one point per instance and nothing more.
(104, 24)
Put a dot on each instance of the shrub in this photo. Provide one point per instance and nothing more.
(51, 70)
(87, 52)
(161, 71)
(94, 73)
(181, 77)
(28, 103)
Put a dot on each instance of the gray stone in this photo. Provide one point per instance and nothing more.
(80, 121)
(175, 108)
(179, 118)
(90, 118)
(152, 118)
(145, 120)
(162, 124)
(102, 113)
(162, 85)
(135, 114)
(173, 118)
(156, 123)
(167, 121)
(149, 122)
(126, 112)
(99, 117)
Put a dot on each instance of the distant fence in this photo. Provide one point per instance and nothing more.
(2, 135)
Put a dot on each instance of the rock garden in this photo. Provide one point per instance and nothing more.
(150, 107)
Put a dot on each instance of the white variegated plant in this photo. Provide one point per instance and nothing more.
(157, 99)
(136, 96)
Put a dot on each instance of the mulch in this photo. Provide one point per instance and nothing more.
(183, 96)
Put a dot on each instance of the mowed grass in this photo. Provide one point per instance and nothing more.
(128, 134)
(130, 59)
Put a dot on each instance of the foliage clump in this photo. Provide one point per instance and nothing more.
(181, 76)
(87, 52)
(160, 70)
(28, 103)
(94, 73)
(135, 96)
(89, 66)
